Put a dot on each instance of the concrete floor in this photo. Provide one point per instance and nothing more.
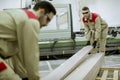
(47, 66)
(112, 61)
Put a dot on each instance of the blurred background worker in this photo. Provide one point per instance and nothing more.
(96, 30)
(19, 30)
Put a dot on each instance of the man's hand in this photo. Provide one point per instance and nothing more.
(94, 44)
(88, 43)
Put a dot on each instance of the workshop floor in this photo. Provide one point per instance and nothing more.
(49, 65)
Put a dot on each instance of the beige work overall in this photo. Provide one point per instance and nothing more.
(96, 29)
(19, 45)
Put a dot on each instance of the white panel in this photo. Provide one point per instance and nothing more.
(7, 4)
(60, 26)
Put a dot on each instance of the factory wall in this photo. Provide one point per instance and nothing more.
(108, 9)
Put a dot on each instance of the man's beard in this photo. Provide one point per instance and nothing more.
(40, 22)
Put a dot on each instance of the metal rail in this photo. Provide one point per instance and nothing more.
(64, 49)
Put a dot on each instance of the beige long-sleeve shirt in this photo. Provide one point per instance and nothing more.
(19, 36)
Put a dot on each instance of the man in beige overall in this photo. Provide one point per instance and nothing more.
(19, 30)
(96, 30)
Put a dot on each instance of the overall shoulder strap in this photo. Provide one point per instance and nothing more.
(30, 14)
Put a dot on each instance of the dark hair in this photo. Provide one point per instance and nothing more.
(45, 5)
(85, 8)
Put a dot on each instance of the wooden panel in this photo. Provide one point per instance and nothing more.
(69, 65)
(115, 75)
(110, 68)
(109, 73)
(88, 69)
(104, 76)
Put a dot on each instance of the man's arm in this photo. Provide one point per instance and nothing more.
(98, 28)
(31, 48)
(87, 31)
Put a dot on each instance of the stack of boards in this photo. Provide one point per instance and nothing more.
(81, 66)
